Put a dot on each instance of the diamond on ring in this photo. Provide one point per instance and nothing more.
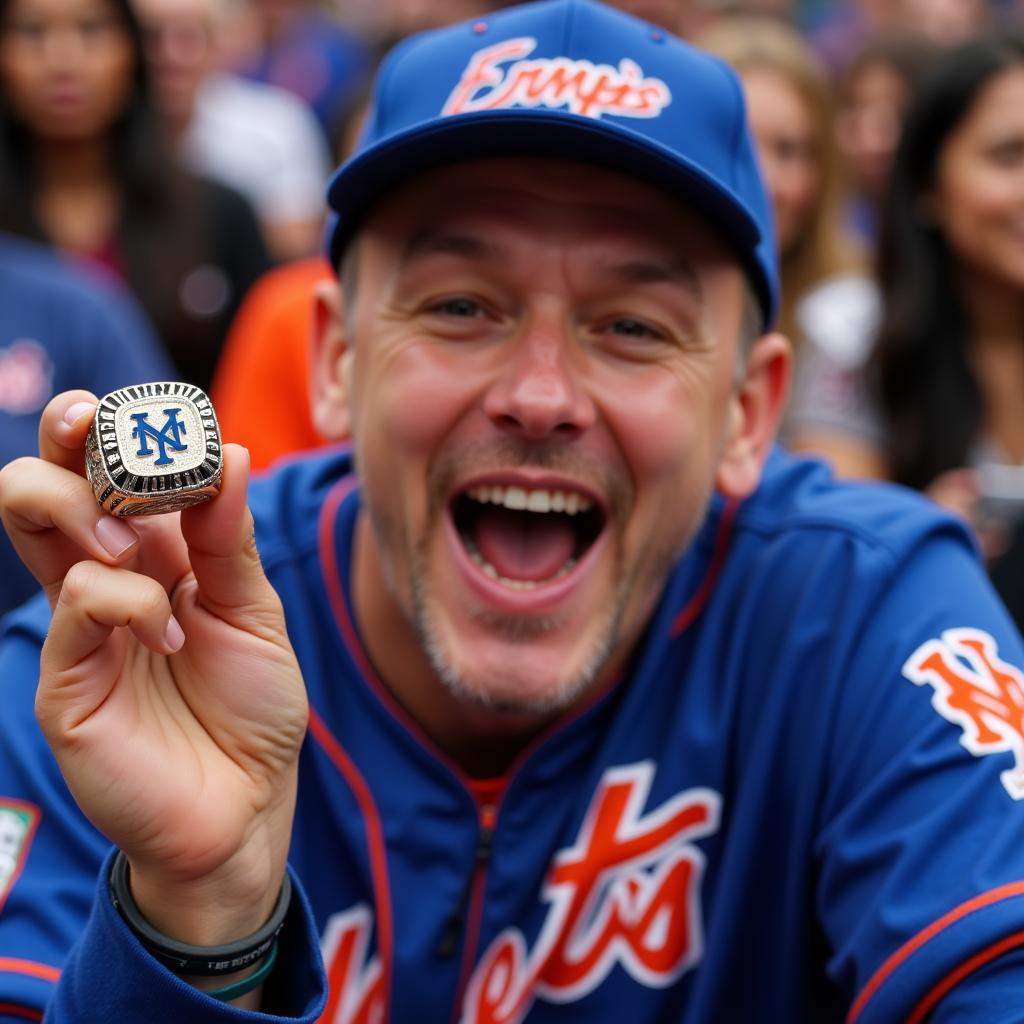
(153, 448)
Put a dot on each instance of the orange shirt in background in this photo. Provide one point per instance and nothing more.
(261, 387)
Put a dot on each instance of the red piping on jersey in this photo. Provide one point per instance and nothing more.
(375, 841)
(29, 967)
(349, 634)
(954, 978)
(34, 816)
(25, 1012)
(696, 603)
(912, 945)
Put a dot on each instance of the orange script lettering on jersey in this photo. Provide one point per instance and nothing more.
(626, 894)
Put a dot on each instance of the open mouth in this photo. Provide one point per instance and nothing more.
(526, 537)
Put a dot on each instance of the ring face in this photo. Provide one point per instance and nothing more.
(153, 448)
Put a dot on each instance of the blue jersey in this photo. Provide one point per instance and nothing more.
(801, 803)
(60, 328)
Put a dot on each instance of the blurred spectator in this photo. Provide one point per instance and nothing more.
(301, 47)
(945, 22)
(840, 30)
(826, 297)
(262, 386)
(790, 112)
(408, 16)
(942, 402)
(257, 138)
(874, 91)
(60, 328)
(83, 166)
(685, 18)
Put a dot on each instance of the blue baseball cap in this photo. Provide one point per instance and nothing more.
(573, 79)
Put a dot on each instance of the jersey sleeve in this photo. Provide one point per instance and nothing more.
(109, 976)
(920, 848)
(49, 854)
(64, 949)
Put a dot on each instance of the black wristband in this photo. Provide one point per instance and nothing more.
(206, 961)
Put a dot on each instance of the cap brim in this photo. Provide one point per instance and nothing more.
(367, 177)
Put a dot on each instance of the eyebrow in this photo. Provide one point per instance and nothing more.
(444, 241)
(674, 271)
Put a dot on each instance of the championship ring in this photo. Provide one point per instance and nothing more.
(153, 448)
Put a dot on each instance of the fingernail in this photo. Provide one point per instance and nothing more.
(77, 410)
(174, 635)
(115, 536)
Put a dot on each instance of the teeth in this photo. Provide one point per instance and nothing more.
(533, 500)
(489, 570)
(515, 497)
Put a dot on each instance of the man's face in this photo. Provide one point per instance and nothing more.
(542, 388)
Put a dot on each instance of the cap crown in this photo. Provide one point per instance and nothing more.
(574, 79)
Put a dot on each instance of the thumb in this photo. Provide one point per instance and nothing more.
(221, 545)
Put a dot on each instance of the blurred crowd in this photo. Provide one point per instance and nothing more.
(163, 165)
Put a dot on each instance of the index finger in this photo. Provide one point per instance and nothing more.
(63, 428)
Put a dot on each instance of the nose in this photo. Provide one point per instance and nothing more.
(540, 391)
(63, 48)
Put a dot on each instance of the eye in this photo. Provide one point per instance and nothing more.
(25, 31)
(96, 26)
(793, 151)
(458, 306)
(631, 328)
(1009, 153)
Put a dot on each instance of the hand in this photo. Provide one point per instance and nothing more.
(168, 689)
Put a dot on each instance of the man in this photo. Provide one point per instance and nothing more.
(61, 326)
(613, 713)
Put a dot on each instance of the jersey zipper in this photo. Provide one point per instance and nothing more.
(457, 918)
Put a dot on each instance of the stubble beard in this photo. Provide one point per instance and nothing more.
(515, 630)
(650, 571)
(514, 688)
(649, 575)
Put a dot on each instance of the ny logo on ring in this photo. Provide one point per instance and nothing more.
(168, 436)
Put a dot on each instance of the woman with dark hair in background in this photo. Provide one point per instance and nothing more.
(84, 167)
(950, 350)
(945, 384)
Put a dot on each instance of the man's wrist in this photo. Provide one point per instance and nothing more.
(189, 959)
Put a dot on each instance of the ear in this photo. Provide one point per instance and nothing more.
(755, 410)
(331, 364)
